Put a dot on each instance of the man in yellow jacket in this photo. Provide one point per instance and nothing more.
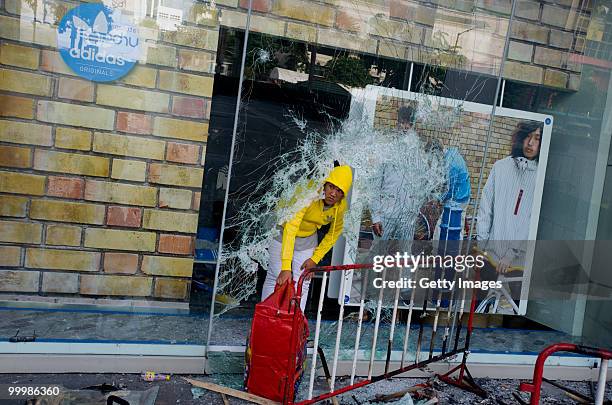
(297, 247)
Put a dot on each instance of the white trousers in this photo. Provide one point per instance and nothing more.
(274, 269)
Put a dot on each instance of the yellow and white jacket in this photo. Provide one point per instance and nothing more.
(309, 219)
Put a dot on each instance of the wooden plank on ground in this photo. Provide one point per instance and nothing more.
(230, 391)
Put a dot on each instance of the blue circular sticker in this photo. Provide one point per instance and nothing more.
(547, 121)
(96, 42)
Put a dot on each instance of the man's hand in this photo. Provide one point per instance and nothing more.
(283, 277)
(308, 263)
(377, 229)
(503, 265)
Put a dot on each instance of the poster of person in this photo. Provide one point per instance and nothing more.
(487, 203)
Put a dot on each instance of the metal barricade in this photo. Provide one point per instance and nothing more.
(463, 380)
(535, 387)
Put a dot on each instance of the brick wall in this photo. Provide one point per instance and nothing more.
(547, 37)
(469, 135)
(100, 182)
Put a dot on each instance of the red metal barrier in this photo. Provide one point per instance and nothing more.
(289, 394)
(535, 387)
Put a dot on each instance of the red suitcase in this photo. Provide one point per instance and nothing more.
(278, 335)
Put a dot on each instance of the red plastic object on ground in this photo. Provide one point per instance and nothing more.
(278, 338)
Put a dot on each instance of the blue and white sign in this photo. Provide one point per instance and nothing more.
(97, 44)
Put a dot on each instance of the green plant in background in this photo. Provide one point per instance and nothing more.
(264, 53)
(348, 70)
